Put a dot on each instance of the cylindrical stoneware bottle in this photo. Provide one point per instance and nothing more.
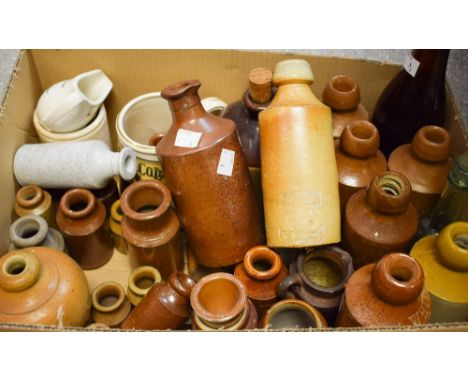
(299, 175)
(444, 259)
(32, 200)
(110, 305)
(141, 280)
(389, 293)
(380, 220)
(115, 220)
(81, 219)
(293, 314)
(207, 174)
(151, 227)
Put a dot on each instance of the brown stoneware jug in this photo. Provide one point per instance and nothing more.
(42, 286)
(293, 314)
(141, 280)
(165, 306)
(207, 174)
(110, 306)
(151, 227)
(389, 293)
(380, 220)
(33, 200)
(81, 219)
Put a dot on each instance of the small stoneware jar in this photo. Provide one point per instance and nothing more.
(110, 305)
(165, 306)
(81, 220)
(319, 278)
(115, 220)
(426, 164)
(220, 302)
(151, 227)
(141, 280)
(261, 272)
(32, 200)
(358, 158)
(107, 195)
(342, 94)
(380, 220)
(388, 293)
(293, 314)
(42, 286)
(444, 259)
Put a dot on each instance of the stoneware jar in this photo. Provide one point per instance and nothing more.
(209, 179)
(42, 286)
(32, 200)
(342, 94)
(165, 306)
(319, 278)
(81, 219)
(151, 227)
(299, 174)
(141, 280)
(388, 293)
(426, 164)
(110, 306)
(220, 302)
(115, 221)
(380, 220)
(444, 259)
(358, 158)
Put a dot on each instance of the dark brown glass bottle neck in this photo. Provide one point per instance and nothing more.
(432, 63)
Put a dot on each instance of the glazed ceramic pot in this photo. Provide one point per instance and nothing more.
(426, 164)
(388, 293)
(299, 174)
(115, 221)
(443, 258)
(151, 227)
(141, 280)
(110, 306)
(165, 306)
(293, 314)
(358, 158)
(207, 174)
(81, 219)
(32, 200)
(380, 220)
(220, 302)
(342, 94)
(42, 286)
(107, 195)
(319, 278)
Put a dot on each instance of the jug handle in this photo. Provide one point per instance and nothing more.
(284, 288)
(214, 105)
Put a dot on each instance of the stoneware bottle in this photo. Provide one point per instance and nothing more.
(444, 259)
(32, 200)
(342, 94)
(299, 175)
(87, 164)
(220, 302)
(151, 227)
(110, 306)
(141, 280)
(42, 286)
(207, 174)
(426, 164)
(358, 158)
(380, 220)
(388, 293)
(165, 306)
(115, 220)
(81, 219)
(261, 272)
(319, 278)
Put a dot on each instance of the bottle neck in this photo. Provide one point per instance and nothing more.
(295, 94)
(187, 108)
(432, 64)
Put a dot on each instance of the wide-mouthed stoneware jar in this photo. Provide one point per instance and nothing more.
(293, 314)
(33, 200)
(110, 304)
(140, 281)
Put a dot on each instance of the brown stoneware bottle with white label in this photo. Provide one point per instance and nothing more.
(209, 179)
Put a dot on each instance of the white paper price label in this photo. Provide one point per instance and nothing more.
(186, 138)
(411, 65)
(226, 162)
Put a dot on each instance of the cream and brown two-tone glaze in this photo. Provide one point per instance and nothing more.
(33, 200)
(110, 305)
(140, 281)
(293, 314)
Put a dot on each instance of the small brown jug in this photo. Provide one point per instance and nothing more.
(293, 314)
(33, 200)
(110, 305)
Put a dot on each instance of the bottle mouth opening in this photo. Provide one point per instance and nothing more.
(15, 266)
(435, 136)
(401, 274)
(143, 278)
(127, 163)
(362, 130)
(262, 263)
(29, 196)
(391, 185)
(343, 84)
(108, 297)
(461, 240)
(77, 203)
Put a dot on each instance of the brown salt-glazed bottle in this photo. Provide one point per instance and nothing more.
(293, 314)
(380, 220)
(110, 305)
(207, 174)
(389, 293)
(151, 227)
(358, 158)
(165, 306)
(319, 278)
(261, 272)
(33, 200)
(81, 219)
(426, 164)
(343, 96)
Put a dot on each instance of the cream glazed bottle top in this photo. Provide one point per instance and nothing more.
(86, 164)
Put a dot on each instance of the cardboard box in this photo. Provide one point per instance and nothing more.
(134, 72)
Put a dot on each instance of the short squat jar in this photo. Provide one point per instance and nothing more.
(110, 305)
(141, 280)
(115, 223)
(33, 200)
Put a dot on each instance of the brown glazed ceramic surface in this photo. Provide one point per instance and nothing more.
(385, 294)
(319, 278)
(81, 219)
(426, 164)
(141, 280)
(293, 314)
(195, 270)
(151, 227)
(380, 220)
(220, 213)
(32, 200)
(358, 158)
(42, 286)
(165, 306)
(110, 305)
(342, 94)
(115, 224)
